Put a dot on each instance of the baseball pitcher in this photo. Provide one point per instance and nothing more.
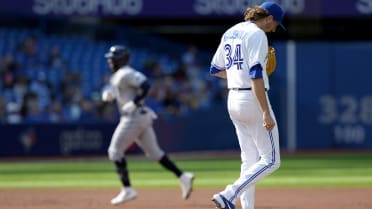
(241, 58)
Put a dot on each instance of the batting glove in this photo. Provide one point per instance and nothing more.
(107, 96)
(129, 108)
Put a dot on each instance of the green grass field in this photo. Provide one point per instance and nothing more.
(336, 170)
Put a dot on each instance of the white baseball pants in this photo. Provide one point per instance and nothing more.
(259, 148)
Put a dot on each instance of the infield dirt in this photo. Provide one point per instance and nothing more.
(266, 198)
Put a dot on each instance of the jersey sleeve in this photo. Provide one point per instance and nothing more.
(218, 60)
(257, 50)
(135, 78)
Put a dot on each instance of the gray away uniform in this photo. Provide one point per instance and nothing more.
(136, 127)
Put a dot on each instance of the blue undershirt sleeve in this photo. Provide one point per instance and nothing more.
(255, 71)
(214, 69)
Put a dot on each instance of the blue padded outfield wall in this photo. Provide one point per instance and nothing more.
(321, 93)
(325, 93)
(210, 130)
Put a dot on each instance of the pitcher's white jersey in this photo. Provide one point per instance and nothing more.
(125, 83)
(242, 47)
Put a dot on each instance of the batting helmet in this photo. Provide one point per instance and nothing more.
(118, 52)
(119, 56)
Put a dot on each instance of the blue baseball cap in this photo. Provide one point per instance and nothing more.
(275, 10)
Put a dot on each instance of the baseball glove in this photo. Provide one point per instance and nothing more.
(271, 61)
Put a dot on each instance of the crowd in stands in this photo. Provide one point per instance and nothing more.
(40, 83)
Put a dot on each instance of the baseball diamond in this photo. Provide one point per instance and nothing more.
(336, 180)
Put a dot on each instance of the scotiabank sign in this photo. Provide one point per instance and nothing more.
(88, 7)
(184, 8)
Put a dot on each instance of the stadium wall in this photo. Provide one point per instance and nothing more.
(321, 93)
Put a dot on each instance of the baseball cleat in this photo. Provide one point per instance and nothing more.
(186, 181)
(221, 202)
(125, 195)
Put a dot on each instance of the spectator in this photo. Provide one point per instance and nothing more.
(88, 111)
(3, 113)
(181, 75)
(13, 114)
(56, 69)
(21, 87)
(55, 60)
(9, 112)
(41, 88)
(55, 112)
(31, 109)
(170, 101)
(8, 72)
(108, 112)
(191, 62)
(29, 50)
(152, 70)
(26, 78)
(71, 88)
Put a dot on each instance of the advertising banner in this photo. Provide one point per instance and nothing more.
(184, 9)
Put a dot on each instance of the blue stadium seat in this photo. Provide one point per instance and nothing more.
(84, 56)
